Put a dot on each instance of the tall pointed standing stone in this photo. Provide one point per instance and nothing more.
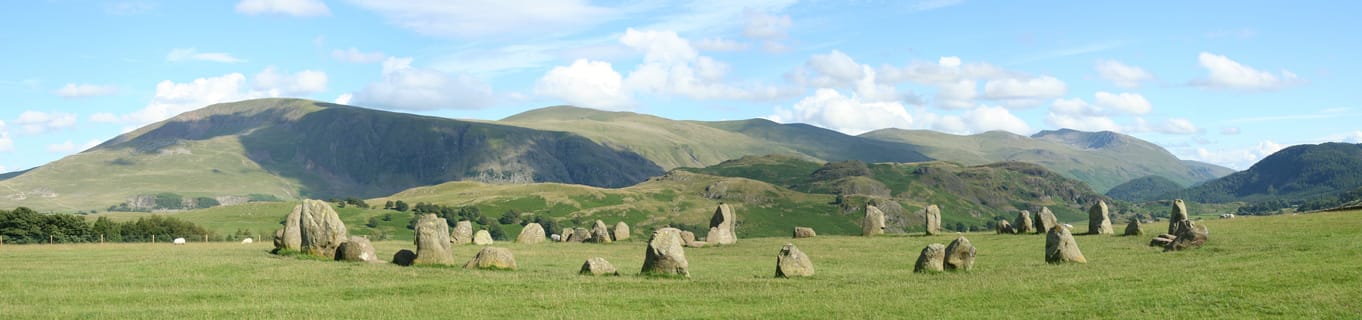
(1178, 214)
(1045, 220)
(874, 221)
(933, 216)
(432, 241)
(1024, 224)
(665, 254)
(293, 237)
(1099, 221)
(721, 226)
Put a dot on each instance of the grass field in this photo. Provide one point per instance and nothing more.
(1291, 266)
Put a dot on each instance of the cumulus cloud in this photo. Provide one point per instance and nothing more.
(834, 69)
(298, 8)
(1127, 103)
(275, 83)
(1229, 74)
(35, 122)
(344, 98)
(672, 66)
(483, 18)
(837, 70)
(69, 147)
(73, 90)
(1237, 158)
(1178, 126)
(193, 54)
(828, 108)
(720, 45)
(764, 26)
(353, 55)
(984, 119)
(1122, 75)
(586, 83)
(405, 87)
(1042, 87)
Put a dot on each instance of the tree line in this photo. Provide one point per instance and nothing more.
(23, 225)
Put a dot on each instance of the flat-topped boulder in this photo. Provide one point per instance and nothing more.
(598, 267)
(665, 254)
(721, 226)
(356, 249)
(791, 262)
(492, 258)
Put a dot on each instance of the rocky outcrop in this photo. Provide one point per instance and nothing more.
(721, 226)
(432, 241)
(932, 259)
(791, 262)
(598, 267)
(874, 221)
(533, 233)
(960, 255)
(1060, 247)
(1099, 220)
(804, 232)
(932, 214)
(492, 258)
(665, 254)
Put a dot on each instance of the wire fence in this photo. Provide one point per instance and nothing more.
(125, 238)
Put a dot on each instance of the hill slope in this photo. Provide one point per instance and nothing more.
(288, 148)
(1293, 173)
(1144, 189)
(1101, 159)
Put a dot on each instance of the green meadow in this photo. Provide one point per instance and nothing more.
(1287, 266)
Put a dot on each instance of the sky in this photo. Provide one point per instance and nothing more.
(1225, 82)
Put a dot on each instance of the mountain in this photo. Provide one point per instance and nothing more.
(1294, 173)
(1144, 189)
(1101, 159)
(289, 148)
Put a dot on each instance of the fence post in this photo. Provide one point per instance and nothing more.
(205, 238)
(51, 239)
(153, 238)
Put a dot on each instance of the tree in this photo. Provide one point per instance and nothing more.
(496, 232)
(509, 217)
(388, 205)
(112, 231)
(373, 222)
(401, 206)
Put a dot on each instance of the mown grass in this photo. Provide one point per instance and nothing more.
(1299, 266)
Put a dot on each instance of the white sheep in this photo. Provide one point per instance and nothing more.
(247, 241)
(179, 241)
(556, 237)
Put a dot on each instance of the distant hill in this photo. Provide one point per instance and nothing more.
(1294, 173)
(289, 148)
(1144, 189)
(1101, 159)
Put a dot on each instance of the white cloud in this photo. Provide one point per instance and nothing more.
(1229, 74)
(586, 83)
(482, 18)
(344, 98)
(275, 83)
(6, 144)
(35, 122)
(69, 147)
(1122, 75)
(957, 95)
(763, 26)
(1127, 103)
(72, 90)
(720, 45)
(1229, 131)
(672, 66)
(299, 8)
(407, 88)
(995, 118)
(1355, 137)
(830, 109)
(173, 98)
(1178, 126)
(188, 54)
(1042, 87)
(1237, 158)
(353, 55)
(104, 117)
(836, 69)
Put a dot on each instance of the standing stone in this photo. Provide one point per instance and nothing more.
(1004, 227)
(1188, 235)
(599, 233)
(1045, 220)
(567, 235)
(1024, 224)
(933, 216)
(293, 236)
(482, 238)
(404, 258)
(598, 267)
(960, 255)
(321, 229)
(357, 249)
(621, 231)
(1178, 214)
(932, 259)
(580, 235)
(1060, 247)
(1099, 221)
(687, 238)
(463, 232)
(665, 254)
(874, 221)
(533, 233)
(432, 241)
(492, 258)
(1133, 228)
(791, 262)
(804, 232)
(279, 238)
(721, 226)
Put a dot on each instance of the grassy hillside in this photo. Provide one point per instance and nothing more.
(1100, 159)
(261, 219)
(1252, 268)
(1294, 173)
(291, 148)
(1144, 189)
(823, 143)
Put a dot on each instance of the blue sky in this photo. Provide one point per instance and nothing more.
(1226, 82)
